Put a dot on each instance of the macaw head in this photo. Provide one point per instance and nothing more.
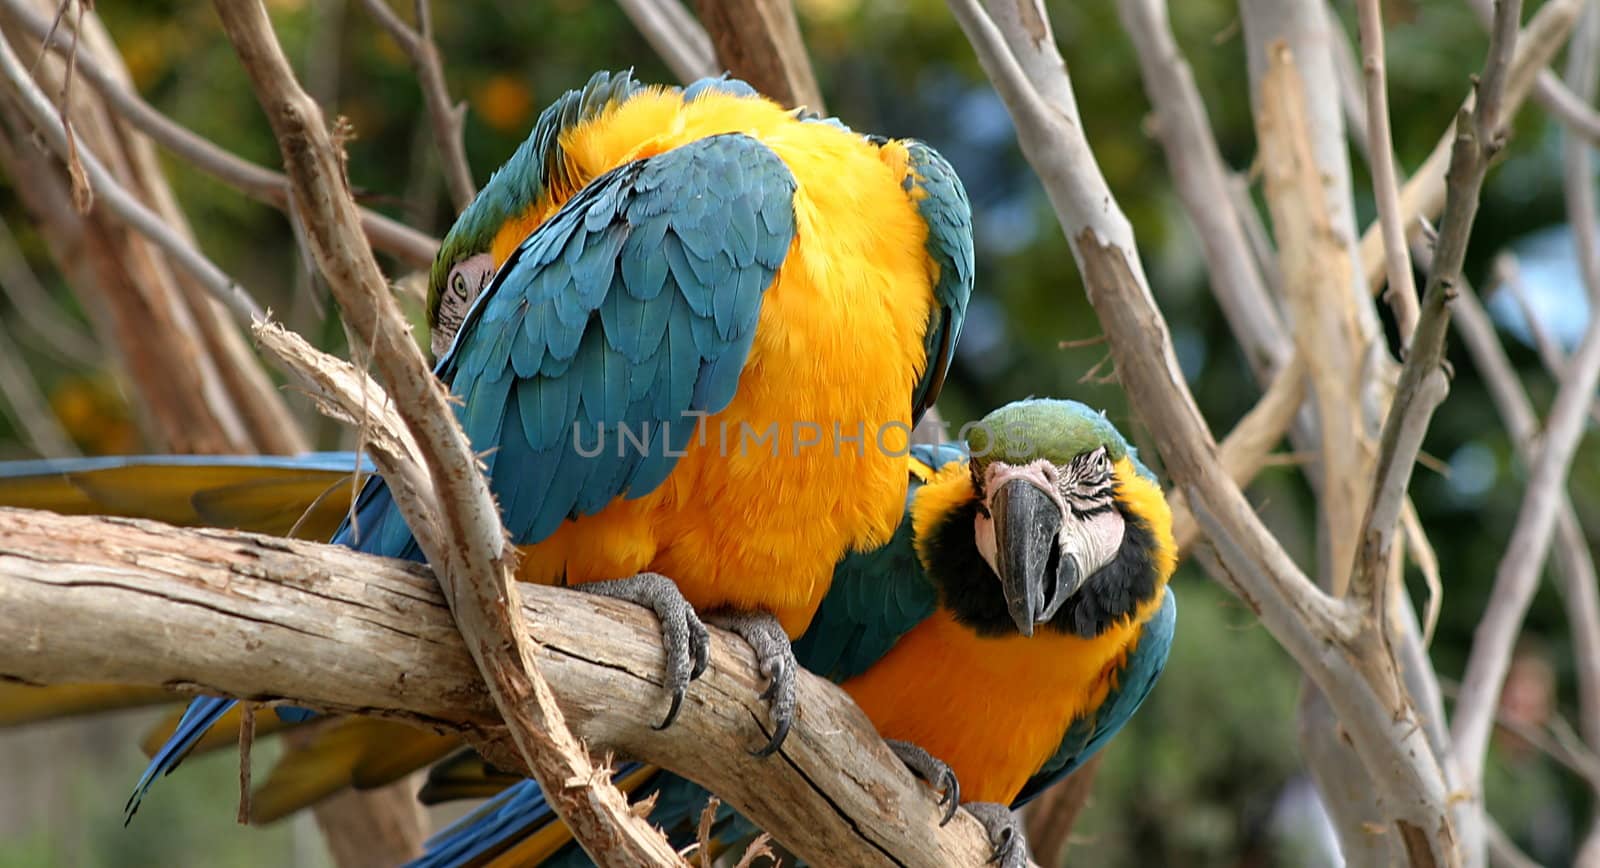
(1071, 523)
(469, 255)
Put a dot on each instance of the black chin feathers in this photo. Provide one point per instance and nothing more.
(969, 588)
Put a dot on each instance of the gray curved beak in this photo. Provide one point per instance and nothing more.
(1035, 576)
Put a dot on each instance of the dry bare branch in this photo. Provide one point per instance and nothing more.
(1402, 293)
(447, 119)
(1201, 179)
(759, 41)
(1550, 92)
(1480, 134)
(1015, 46)
(1423, 195)
(133, 212)
(406, 244)
(1317, 274)
(277, 620)
(1517, 577)
(675, 35)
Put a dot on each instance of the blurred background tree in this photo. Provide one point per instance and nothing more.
(1208, 773)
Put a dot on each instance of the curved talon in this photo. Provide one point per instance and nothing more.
(684, 639)
(775, 658)
(672, 713)
(935, 771)
(951, 800)
(1005, 833)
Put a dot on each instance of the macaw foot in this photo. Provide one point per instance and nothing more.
(775, 657)
(683, 636)
(1005, 833)
(933, 770)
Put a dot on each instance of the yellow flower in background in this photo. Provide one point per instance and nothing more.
(504, 102)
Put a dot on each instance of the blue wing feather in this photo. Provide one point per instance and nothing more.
(620, 290)
(944, 207)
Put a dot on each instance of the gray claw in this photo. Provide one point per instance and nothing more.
(775, 656)
(683, 636)
(1005, 833)
(933, 770)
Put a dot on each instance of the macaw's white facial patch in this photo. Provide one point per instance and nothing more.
(466, 282)
(1093, 541)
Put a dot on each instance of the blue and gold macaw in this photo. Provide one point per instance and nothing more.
(687, 328)
(1014, 623)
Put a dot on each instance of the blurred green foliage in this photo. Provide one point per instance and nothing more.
(1195, 779)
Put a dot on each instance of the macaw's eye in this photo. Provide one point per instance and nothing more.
(466, 282)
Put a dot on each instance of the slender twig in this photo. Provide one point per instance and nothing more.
(29, 409)
(264, 185)
(1479, 137)
(1517, 577)
(1201, 179)
(448, 119)
(675, 35)
(1550, 92)
(1402, 294)
(1424, 193)
(50, 329)
(133, 212)
(1352, 94)
(1508, 277)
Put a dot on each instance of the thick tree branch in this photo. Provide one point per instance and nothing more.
(1317, 275)
(759, 41)
(264, 185)
(268, 619)
(447, 119)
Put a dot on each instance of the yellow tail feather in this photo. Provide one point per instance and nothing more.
(21, 704)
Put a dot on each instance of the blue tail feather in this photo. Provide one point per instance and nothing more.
(200, 716)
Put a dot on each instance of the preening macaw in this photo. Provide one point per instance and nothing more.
(1014, 623)
(691, 331)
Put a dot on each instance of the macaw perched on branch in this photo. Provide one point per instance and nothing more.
(1015, 622)
(656, 279)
